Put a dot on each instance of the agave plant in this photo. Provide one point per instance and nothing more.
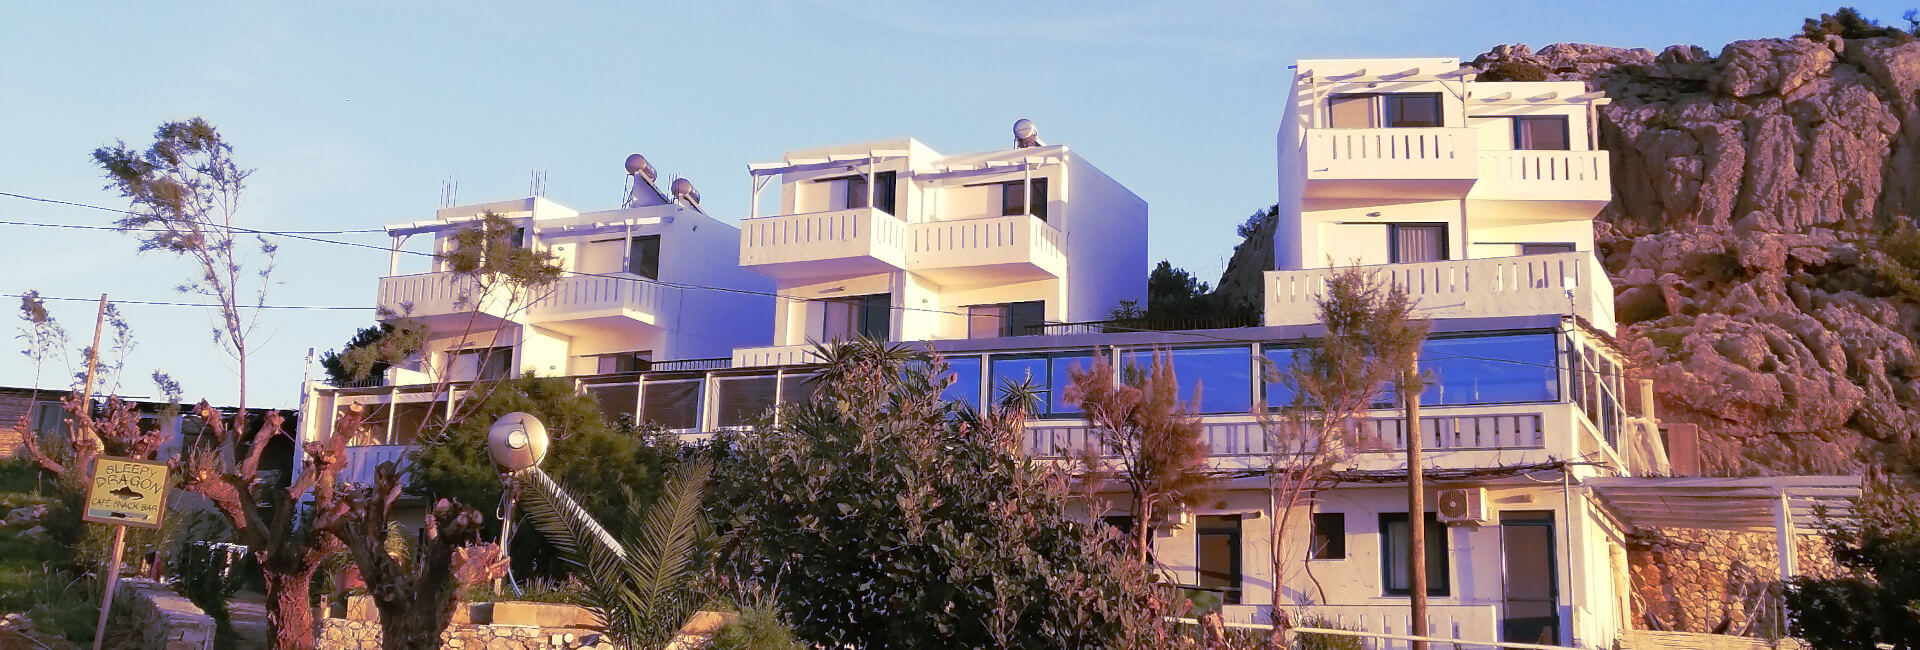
(640, 586)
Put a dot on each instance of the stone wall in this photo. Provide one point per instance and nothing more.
(1709, 580)
(1648, 640)
(150, 616)
(349, 634)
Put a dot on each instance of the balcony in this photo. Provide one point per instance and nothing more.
(995, 250)
(1395, 163)
(364, 460)
(1544, 176)
(1528, 285)
(597, 304)
(820, 245)
(445, 301)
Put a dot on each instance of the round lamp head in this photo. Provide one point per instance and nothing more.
(517, 441)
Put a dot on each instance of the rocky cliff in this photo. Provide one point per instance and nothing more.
(1760, 237)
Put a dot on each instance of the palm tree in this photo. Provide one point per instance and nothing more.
(640, 586)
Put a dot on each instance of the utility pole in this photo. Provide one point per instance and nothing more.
(93, 353)
(1416, 502)
(119, 532)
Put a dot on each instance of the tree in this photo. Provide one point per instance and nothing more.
(1879, 602)
(877, 515)
(641, 584)
(1333, 381)
(1846, 22)
(414, 593)
(370, 350)
(614, 469)
(184, 193)
(1150, 438)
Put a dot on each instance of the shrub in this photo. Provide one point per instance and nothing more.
(603, 463)
(880, 516)
(1877, 603)
(758, 627)
(1514, 71)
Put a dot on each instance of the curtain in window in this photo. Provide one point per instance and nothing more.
(674, 404)
(1541, 133)
(1351, 112)
(1419, 243)
(986, 321)
(743, 399)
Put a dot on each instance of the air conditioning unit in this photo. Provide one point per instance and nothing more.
(1463, 506)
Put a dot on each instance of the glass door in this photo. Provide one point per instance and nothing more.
(1532, 611)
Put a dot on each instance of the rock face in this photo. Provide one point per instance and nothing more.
(1756, 237)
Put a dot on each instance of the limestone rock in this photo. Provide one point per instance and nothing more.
(1753, 195)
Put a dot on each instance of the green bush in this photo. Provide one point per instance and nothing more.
(600, 462)
(880, 516)
(757, 627)
(1326, 641)
(1879, 602)
(1514, 71)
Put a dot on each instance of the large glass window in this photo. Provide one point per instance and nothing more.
(1412, 109)
(797, 387)
(966, 380)
(672, 403)
(1490, 369)
(1006, 319)
(1224, 376)
(741, 400)
(1396, 538)
(617, 401)
(1352, 112)
(869, 316)
(1417, 242)
(1047, 372)
(1280, 361)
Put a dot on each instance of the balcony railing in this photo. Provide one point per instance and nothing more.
(1245, 436)
(364, 461)
(588, 296)
(1388, 163)
(1012, 248)
(1140, 324)
(432, 296)
(823, 244)
(1544, 175)
(1527, 285)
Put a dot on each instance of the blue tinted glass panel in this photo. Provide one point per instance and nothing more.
(1490, 369)
(1279, 394)
(1223, 375)
(1063, 362)
(966, 381)
(1031, 368)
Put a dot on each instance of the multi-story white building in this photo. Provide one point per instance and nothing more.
(896, 241)
(1476, 197)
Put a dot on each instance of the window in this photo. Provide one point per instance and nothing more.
(1217, 557)
(869, 316)
(1412, 109)
(1223, 375)
(966, 381)
(617, 401)
(1329, 540)
(623, 362)
(1011, 202)
(1540, 133)
(855, 191)
(1417, 242)
(1372, 110)
(797, 387)
(1047, 372)
(1006, 319)
(674, 404)
(1394, 540)
(741, 400)
(1500, 369)
(643, 257)
(1352, 112)
(1546, 248)
(482, 364)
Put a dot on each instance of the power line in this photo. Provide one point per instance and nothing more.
(164, 303)
(103, 208)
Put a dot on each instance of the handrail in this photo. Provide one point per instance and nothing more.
(1379, 635)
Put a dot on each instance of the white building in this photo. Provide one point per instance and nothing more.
(1453, 187)
(893, 240)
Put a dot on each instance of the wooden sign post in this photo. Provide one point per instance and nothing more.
(124, 492)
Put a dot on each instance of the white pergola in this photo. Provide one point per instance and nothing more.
(1785, 505)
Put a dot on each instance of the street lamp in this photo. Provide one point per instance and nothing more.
(517, 442)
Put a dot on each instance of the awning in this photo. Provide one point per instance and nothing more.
(1783, 505)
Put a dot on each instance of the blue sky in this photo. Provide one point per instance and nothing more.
(353, 114)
